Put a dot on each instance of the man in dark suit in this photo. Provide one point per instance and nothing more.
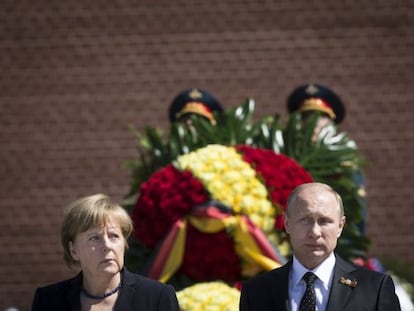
(316, 278)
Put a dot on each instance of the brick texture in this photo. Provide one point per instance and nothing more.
(76, 74)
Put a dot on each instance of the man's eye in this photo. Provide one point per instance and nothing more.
(324, 221)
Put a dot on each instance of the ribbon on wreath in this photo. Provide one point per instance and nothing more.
(251, 244)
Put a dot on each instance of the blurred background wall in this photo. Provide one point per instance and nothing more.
(74, 75)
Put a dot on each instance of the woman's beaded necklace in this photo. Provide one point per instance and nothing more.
(107, 294)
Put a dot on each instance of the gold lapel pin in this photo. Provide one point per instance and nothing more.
(352, 283)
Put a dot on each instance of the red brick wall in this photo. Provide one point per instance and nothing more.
(75, 74)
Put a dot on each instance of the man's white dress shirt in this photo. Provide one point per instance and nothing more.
(322, 284)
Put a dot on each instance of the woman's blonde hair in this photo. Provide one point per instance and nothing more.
(90, 212)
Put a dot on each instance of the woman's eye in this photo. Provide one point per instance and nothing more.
(94, 238)
(114, 236)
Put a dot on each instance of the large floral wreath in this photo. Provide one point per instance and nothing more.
(207, 200)
(214, 183)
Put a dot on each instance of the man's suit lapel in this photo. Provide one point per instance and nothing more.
(340, 293)
(280, 292)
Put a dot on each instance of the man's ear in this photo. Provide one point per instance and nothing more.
(286, 221)
(73, 251)
(342, 222)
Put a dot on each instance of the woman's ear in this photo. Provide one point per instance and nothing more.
(73, 251)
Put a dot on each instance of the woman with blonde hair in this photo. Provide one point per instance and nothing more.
(94, 237)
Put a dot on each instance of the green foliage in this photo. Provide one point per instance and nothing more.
(157, 149)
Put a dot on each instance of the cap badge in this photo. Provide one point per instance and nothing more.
(311, 89)
(194, 93)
